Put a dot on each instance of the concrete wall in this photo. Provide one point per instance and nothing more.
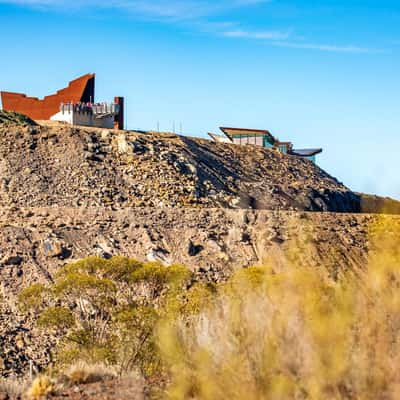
(84, 119)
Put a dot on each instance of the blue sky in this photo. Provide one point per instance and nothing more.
(318, 73)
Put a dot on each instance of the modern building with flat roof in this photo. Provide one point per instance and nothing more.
(263, 138)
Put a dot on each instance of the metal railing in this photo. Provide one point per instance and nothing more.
(90, 108)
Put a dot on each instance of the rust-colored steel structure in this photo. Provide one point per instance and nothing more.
(78, 90)
(119, 118)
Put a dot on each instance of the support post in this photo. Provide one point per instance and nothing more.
(119, 118)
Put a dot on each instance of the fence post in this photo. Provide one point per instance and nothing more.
(30, 369)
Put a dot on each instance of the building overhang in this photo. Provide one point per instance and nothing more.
(305, 152)
(231, 133)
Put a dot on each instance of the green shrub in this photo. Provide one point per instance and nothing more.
(106, 310)
(32, 297)
(58, 317)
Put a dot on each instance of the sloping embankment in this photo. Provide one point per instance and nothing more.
(43, 166)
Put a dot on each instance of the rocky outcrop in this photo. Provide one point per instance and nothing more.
(8, 118)
(35, 242)
(22, 346)
(72, 167)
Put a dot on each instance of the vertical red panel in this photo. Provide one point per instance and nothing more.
(119, 119)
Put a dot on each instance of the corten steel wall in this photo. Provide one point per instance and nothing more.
(81, 89)
(119, 119)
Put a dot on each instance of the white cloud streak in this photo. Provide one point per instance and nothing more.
(196, 12)
(329, 48)
(172, 9)
(260, 35)
(286, 39)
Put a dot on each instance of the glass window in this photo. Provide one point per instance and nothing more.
(283, 148)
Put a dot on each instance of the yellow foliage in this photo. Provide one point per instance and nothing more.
(294, 333)
(276, 332)
(41, 387)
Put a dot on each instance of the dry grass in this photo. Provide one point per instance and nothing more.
(128, 386)
(13, 387)
(294, 333)
(84, 373)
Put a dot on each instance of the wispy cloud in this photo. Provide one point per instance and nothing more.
(287, 39)
(199, 14)
(332, 48)
(175, 9)
(260, 35)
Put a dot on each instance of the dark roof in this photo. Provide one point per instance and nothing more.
(289, 145)
(244, 131)
(305, 152)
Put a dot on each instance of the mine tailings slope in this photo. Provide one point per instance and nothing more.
(67, 193)
(59, 165)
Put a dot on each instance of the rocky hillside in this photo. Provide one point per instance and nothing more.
(35, 243)
(57, 165)
(67, 193)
